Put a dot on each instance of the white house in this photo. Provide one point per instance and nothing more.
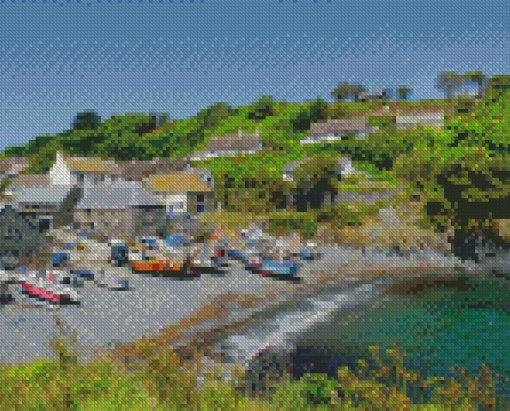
(60, 173)
(231, 144)
(431, 119)
(94, 172)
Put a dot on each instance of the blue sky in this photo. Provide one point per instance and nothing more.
(61, 57)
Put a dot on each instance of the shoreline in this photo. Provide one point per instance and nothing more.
(231, 312)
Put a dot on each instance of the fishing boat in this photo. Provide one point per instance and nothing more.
(112, 278)
(260, 265)
(47, 286)
(141, 263)
(271, 267)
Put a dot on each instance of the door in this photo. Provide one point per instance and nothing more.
(200, 203)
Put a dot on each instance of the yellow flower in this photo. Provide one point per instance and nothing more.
(495, 120)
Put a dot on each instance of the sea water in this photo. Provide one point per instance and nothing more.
(462, 325)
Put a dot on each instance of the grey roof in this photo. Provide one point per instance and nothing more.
(117, 196)
(43, 196)
(31, 181)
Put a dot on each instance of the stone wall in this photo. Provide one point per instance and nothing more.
(106, 223)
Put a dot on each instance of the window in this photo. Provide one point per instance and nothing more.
(200, 208)
(200, 198)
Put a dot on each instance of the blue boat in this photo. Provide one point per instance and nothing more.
(256, 264)
(308, 256)
(60, 259)
(174, 239)
(271, 267)
(119, 254)
(83, 273)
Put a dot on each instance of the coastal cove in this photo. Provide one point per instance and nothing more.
(438, 328)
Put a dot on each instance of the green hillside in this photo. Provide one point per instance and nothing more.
(459, 172)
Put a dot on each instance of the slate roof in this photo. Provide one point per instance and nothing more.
(235, 142)
(42, 196)
(338, 126)
(117, 196)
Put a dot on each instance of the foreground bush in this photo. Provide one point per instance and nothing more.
(165, 380)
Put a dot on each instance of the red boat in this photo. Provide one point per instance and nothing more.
(41, 293)
(48, 289)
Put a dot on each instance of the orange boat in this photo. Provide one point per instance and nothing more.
(154, 265)
(140, 263)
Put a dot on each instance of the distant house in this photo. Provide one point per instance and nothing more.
(311, 194)
(336, 129)
(182, 193)
(60, 173)
(379, 94)
(121, 210)
(231, 144)
(426, 119)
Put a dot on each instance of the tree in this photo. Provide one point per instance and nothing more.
(449, 82)
(86, 120)
(346, 91)
(262, 108)
(314, 181)
(479, 78)
(403, 92)
(311, 113)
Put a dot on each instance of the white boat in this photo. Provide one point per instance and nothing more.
(47, 286)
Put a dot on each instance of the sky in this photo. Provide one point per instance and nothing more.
(139, 56)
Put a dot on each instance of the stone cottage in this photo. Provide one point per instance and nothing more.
(34, 196)
(121, 210)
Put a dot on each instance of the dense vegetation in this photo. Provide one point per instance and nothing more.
(167, 380)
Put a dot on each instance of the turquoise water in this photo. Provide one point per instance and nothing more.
(462, 328)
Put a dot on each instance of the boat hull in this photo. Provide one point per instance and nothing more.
(45, 294)
(155, 266)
